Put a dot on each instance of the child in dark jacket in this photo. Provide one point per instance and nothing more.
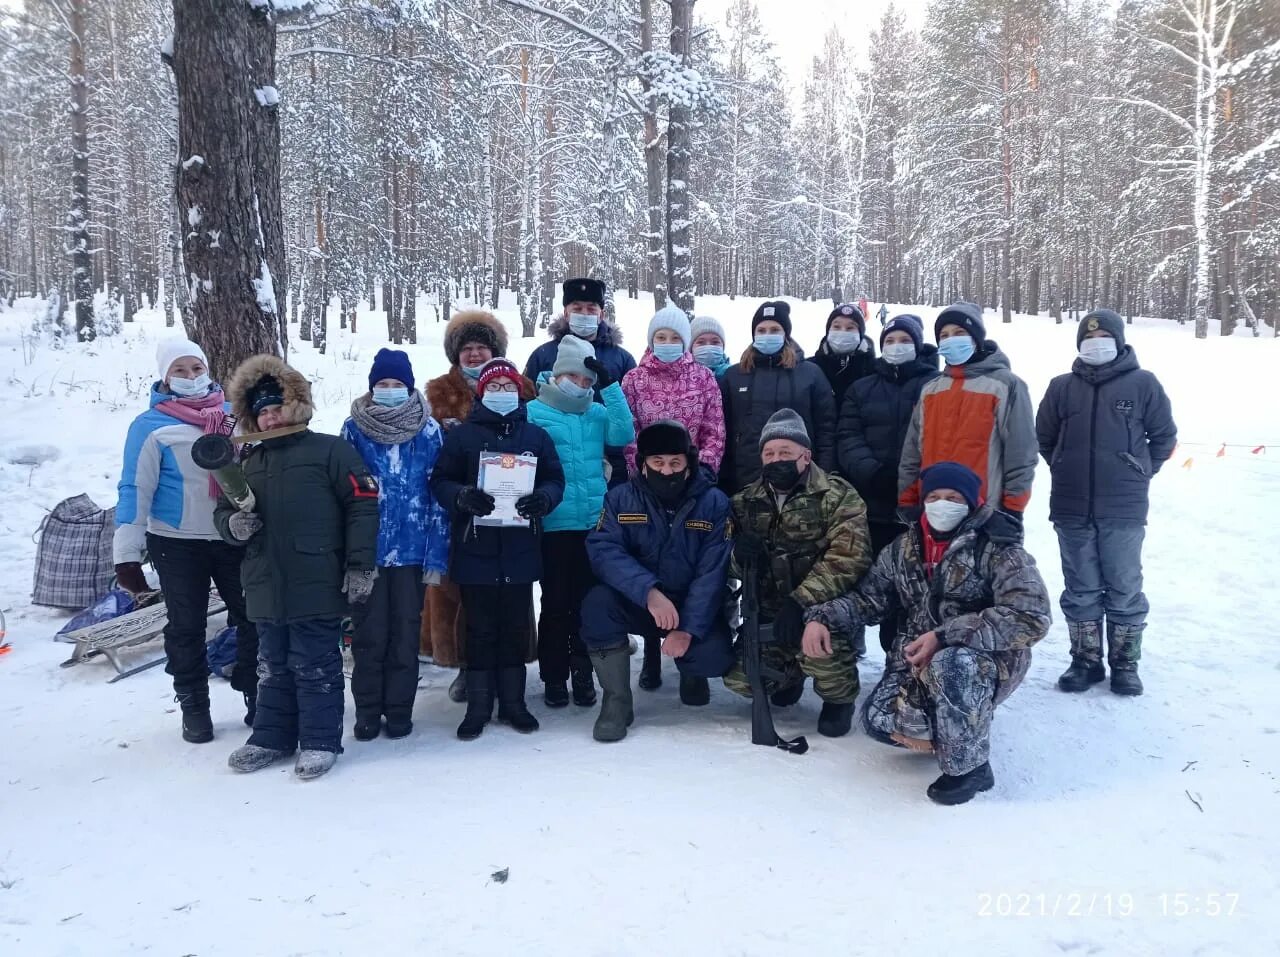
(495, 566)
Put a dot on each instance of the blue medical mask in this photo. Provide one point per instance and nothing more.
(896, 353)
(668, 351)
(190, 388)
(770, 344)
(583, 326)
(843, 343)
(472, 372)
(957, 350)
(398, 395)
(709, 356)
(500, 403)
(572, 389)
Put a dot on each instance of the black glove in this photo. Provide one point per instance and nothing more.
(129, 576)
(788, 624)
(474, 502)
(603, 379)
(749, 549)
(534, 505)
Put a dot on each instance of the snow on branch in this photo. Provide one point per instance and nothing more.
(586, 31)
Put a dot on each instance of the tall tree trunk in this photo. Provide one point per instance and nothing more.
(679, 152)
(653, 170)
(78, 215)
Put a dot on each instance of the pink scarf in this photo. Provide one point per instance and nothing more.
(207, 413)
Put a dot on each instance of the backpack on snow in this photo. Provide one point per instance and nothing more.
(74, 561)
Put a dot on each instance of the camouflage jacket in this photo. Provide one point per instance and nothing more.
(818, 541)
(986, 594)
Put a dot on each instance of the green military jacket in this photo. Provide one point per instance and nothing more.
(817, 540)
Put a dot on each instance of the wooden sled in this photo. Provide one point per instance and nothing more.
(107, 639)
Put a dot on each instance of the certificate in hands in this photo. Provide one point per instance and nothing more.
(507, 478)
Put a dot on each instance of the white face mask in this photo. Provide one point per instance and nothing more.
(844, 341)
(1099, 350)
(190, 388)
(945, 516)
(896, 353)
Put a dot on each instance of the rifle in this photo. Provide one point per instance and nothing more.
(762, 729)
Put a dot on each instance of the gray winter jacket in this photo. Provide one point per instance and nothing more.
(1104, 430)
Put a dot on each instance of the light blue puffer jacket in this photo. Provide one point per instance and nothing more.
(580, 438)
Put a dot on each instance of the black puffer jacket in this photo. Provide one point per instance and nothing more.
(873, 423)
(751, 396)
(1104, 430)
(843, 371)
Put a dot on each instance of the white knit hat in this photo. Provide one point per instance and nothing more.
(674, 318)
(170, 350)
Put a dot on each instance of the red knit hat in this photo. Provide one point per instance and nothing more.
(496, 369)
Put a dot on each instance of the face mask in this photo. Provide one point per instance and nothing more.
(572, 389)
(582, 326)
(957, 350)
(668, 488)
(945, 516)
(782, 475)
(771, 344)
(1099, 351)
(709, 356)
(668, 351)
(392, 397)
(500, 403)
(472, 372)
(896, 353)
(844, 342)
(190, 388)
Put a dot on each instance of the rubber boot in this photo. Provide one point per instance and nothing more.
(511, 705)
(613, 668)
(197, 725)
(368, 727)
(480, 692)
(959, 788)
(458, 687)
(651, 669)
(313, 764)
(1086, 667)
(584, 686)
(694, 691)
(835, 719)
(250, 757)
(1124, 649)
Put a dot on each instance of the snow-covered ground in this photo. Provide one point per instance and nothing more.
(1110, 817)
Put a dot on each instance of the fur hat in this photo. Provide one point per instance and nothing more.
(703, 324)
(952, 475)
(571, 356)
(785, 424)
(665, 437)
(267, 375)
(170, 350)
(778, 311)
(474, 325)
(495, 369)
(907, 323)
(583, 290)
(391, 364)
(674, 318)
(968, 317)
(848, 311)
(1109, 322)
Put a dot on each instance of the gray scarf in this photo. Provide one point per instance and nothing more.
(390, 426)
(557, 398)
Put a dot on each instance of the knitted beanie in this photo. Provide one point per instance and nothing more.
(170, 350)
(1106, 320)
(703, 324)
(952, 475)
(776, 310)
(907, 323)
(848, 311)
(968, 317)
(494, 369)
(674, 318)
(785, 424)
(571, 356)
(391, 364)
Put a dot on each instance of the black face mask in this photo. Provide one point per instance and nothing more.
(784, 476)
(668, 488)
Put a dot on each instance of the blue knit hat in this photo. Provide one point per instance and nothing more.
(952, 475)
(391, 364)
(907, 323)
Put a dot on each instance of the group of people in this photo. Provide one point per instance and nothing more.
(861, 486)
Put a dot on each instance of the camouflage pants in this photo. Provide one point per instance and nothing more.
(950, 703)
(835, 679)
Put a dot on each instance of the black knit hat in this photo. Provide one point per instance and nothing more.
(907, 323)
(968, 317)
(265, 393)
(848, 311)
(775, 310)
(1106, 320)
(583, 290)
(664, 437)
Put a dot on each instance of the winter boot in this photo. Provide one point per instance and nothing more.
(1086, 667)
(1124, 649)
(368, 727)
(250, 757)
(511, 706)
(556, 694)
(458, 687)
(584, 686)
(480, 691)
(651, 670)
(959, 788)
(399, 728)
(694, 691)
(835, 719)
(787, 696)
(250, 706)
(613, 668)
(313, 764)
(197, 725)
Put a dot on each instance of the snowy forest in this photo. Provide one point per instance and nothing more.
(1037, 156)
